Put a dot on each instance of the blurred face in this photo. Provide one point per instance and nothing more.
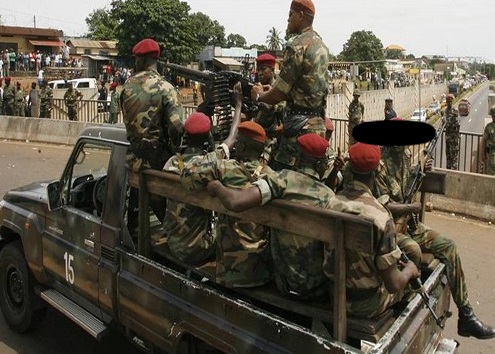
(294, 21)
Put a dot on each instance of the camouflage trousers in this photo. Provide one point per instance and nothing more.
(430, 241)
(490, 164)
(452, 152)
(72, 112)
(350, 128)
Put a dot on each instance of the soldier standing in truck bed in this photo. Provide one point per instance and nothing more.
(489, 141)
(452, 134)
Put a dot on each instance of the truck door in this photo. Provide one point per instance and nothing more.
(71, 244)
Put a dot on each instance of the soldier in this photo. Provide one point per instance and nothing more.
(374, 282)
(114, 104)
(489, 144)
(452, 134)
(71, 97)
(153, 118)
(355, 116)
(302, 83)
(46, 100)
(389, 111)
(243, 251)
(9, 97)
(19, 101)
(297, 260)
(391, 182)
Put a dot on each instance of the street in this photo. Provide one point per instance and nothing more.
(22, 163)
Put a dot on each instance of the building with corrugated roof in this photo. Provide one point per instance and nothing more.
(28, 39)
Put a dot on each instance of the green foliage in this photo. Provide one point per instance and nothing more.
(394, 54)
(273, 40)
(366, 47)
(207, 32)
(236, 40)
(166, 21)
(102, 25)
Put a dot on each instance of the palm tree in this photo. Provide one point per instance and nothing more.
(273, 40)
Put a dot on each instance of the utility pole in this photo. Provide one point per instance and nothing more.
(34, 21)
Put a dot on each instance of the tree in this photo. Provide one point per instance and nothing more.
(207, 32)
(166, 21)
(102, 25)
(236, 40)
(394, 54)
(273, 40)
(364, 46)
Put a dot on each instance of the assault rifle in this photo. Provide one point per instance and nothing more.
(417, 178)
(217, 93)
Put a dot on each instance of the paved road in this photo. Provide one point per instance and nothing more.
(21, 163)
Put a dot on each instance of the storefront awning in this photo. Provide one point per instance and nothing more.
(97, 57)
(47, 43)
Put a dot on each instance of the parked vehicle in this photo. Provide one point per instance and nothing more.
(67, 242)
(464, 107)
(78, 83)
(419, 115)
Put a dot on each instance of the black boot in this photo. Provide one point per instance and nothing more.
(469, 325)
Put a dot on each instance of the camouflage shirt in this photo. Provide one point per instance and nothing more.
(243, 258)
(297, 259)
(356, 112)
(186, 226)
(304, 74)
(362, 269)
(151, 110)
(114, 102)
(452, 125)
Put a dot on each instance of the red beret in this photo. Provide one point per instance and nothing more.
(145, 47)
(113, 85)
(329, 124)
(266, 59)
(306, 6)
(197, 123)
(7, 79)
(364, 158)
(450, 96)
(253, 131)
(313, 145)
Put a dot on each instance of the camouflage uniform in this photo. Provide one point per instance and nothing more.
(187, 227)
(452, 138)
(297, 260)
(46, 99)
(70, 98)
(356, 112)
(114, 107)
(367, 295)
(19, 103)
(9, 99)
(391, 183)
(489, 139)
(243, 257)
(304, 80)
(150, 110)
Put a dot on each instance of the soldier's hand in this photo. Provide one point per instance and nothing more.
(237, 93)
(415, 207)
(256, 90)
(429, 164)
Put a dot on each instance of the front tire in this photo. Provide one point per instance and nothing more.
(17, 298)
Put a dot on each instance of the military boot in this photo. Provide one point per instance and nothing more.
(469, 325)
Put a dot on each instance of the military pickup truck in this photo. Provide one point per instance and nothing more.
(66, 244)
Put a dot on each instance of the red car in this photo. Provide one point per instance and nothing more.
(464, 107)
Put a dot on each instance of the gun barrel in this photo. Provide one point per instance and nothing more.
(188, 71)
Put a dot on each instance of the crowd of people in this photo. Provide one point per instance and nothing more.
(282, 151)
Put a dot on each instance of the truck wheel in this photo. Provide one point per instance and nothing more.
(17, 298)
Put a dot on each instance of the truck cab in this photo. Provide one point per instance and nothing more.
(66, 244)
(464, 107)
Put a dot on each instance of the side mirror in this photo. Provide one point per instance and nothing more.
(54, 196)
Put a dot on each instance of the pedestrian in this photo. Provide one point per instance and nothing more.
(489, 144)
(19, 101)
(34, 101)
(46, 100)
(302, 83)
(9, 97)
(297, 260)
(114, 104)
(389, 111)
(102, 96)
(392, 180)
(40, 76)
(374, 281)
(153, 118)
(71, 97)
(452, 134)
(355, 115)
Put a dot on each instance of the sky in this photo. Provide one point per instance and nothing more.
(451, 28)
